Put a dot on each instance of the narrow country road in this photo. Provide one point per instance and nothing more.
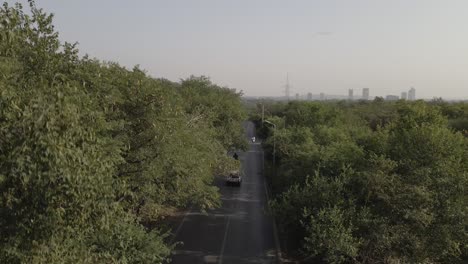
(240, 231)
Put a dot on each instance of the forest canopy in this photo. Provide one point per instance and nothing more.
(93, 156)
(369, 181)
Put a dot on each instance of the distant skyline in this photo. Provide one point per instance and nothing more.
(326, 46)
(355, 94)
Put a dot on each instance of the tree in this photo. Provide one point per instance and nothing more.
(94, 155)
(351, 192)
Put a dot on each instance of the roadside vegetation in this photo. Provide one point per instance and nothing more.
(370, 181)
(93, 156)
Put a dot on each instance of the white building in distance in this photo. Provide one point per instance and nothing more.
(322, 96)
(412, 94)
(404, 95)
(365, 93)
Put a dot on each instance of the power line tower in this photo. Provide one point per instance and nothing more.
(287, 87)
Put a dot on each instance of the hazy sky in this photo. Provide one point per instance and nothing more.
(326, 46)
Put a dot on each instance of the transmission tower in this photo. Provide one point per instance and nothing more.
(287, 87)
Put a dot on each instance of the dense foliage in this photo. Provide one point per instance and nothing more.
(371, 182)
(93, 156)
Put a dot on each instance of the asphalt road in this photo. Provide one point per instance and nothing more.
(241, 231)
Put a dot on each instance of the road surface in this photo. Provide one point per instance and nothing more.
(241, 231)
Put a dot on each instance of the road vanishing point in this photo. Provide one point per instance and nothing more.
(241, 230)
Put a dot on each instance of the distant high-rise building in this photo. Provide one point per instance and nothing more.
(322, 96)
(365, 93)
(392, 97)
(350, 94)
(404, 95)
(412, 94)
(309, 96)
(297, 97)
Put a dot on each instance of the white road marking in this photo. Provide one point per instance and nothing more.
(224, 241)
(181, 224)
